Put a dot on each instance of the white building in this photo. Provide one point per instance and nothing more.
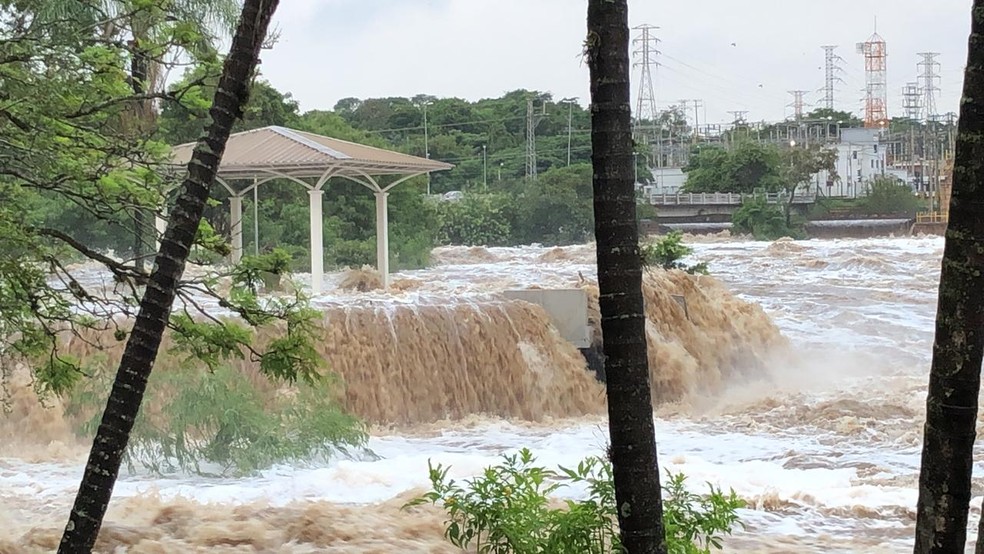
(860, 159)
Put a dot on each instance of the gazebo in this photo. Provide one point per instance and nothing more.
(261, 155)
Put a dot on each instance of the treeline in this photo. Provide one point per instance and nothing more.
(485, 140)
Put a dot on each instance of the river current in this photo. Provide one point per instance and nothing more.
(823, 442)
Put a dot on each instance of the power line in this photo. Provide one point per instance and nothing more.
(458, 124)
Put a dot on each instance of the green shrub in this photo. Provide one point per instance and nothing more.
(219, 422)
(507, 510)
(667, 253)
(888, 195)
(475, 220)
(762, 220)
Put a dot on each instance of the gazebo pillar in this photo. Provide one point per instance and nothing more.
(317, 238)
(382, 238)
(236, 228)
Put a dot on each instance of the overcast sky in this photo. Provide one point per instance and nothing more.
(332, 49)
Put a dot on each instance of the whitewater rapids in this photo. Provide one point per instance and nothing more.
(822, 439)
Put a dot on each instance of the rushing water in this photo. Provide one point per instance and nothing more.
(823, 444)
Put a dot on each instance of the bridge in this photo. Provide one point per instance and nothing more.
(715, 206)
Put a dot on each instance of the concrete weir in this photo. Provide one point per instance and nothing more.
(568, 311)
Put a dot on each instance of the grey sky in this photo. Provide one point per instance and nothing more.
(331, 49)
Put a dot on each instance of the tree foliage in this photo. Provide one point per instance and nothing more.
(747, 167)
(507, 510)
(221, 422)
(667, 252)
(888, 195)
(762, 219)
(750, 167)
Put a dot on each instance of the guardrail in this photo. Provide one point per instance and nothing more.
(932, 217)
(719, 198)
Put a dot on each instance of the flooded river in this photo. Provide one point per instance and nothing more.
(819, 431)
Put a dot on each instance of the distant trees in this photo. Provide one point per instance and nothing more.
(747, 167)
(556, 209)
(751, 166)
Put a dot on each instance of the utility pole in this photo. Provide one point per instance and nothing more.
(739, 116)
(485, 168)
(738, 119)
(797, 104)
(832, 69)
(570, 119)
(532, 120)
(697, 105)
(426, 145)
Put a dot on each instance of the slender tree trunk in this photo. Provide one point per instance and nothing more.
(139, 70)
(141, 349)
(623, 319)
(954, 380)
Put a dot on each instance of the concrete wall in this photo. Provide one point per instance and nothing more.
(568, 309)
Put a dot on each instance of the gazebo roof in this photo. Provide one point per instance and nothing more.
(278, 151)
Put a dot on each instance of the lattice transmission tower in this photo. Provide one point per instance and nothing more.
(832, 71)
(929, 77)
(645, 52)
(875, 54)
(911, 101)
(798, 103)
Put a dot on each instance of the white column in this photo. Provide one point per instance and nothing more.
(236, 228)
(382, 238)
(317, 238)
(160, 225)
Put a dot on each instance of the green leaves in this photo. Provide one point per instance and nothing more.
(696, 522)
(207, 342)
(763, 220)
(224, 421)
(508, 510)
(666, 253)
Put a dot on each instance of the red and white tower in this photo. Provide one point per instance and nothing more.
(876, 81)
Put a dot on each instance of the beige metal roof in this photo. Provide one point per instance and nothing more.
(277, 150)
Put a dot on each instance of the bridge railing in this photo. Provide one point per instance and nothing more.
(722, 198)
(932, 217)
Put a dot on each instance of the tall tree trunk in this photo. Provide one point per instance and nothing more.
(142, 112)
(141, 349)
(623, 319)
(954, 380)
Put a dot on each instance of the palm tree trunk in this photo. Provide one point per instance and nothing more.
(954, 380)
(141, 349)
(623, 320)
